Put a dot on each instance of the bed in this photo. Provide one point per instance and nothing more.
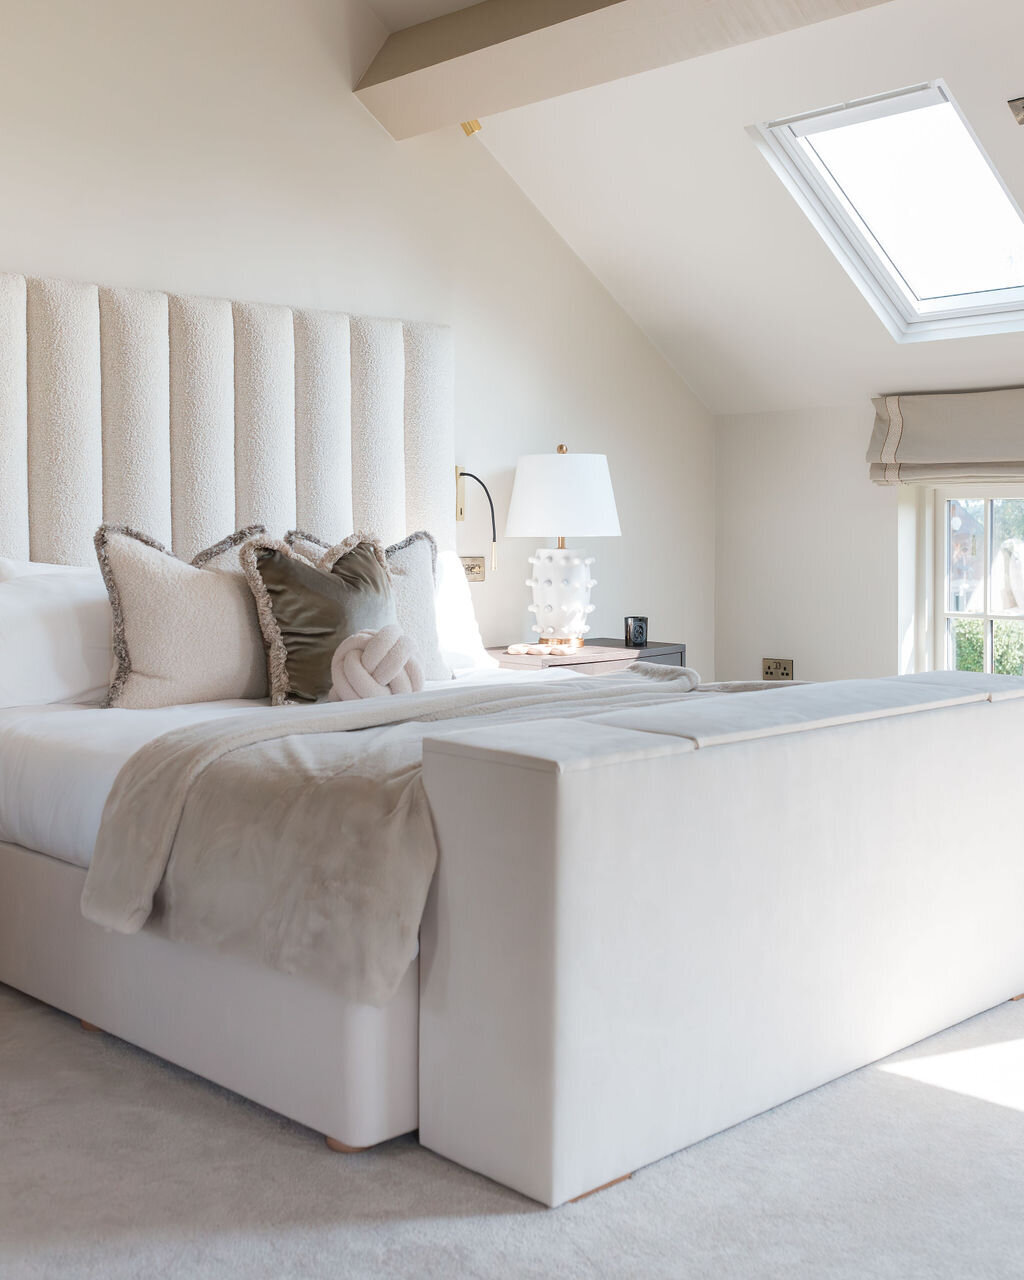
(187, 417)
(658, 908)
(347, 1070)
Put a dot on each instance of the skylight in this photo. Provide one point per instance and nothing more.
(910, 204)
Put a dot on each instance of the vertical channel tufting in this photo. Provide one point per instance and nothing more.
(429, 432)
(65, 429)
(378, 428)
(14, 540)
(264, 416)
(323, 424)
(192, 416)
(202, 416)
(136, 407)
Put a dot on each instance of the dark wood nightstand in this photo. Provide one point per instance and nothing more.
(598, 657)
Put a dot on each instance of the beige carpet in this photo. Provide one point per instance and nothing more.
(113, 1164)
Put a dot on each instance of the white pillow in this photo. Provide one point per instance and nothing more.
(458, 632)
(414, 574)
(56, 639)
(11, 569)
(182, 632)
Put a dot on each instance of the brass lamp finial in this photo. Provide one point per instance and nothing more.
(562, 448)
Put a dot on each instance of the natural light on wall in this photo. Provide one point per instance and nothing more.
(902, 192)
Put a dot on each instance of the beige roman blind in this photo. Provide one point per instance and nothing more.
(949, 437)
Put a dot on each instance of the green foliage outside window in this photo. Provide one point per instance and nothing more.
(969, 645)
(1006, 522)
(1007, 646)
(1007, 519)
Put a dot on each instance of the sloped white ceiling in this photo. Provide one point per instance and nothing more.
(399, 14)
(656, 184)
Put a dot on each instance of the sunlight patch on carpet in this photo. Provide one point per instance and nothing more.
(990, 1072)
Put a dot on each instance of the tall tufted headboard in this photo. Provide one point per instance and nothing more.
(189, 417)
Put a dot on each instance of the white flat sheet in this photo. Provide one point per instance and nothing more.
(58, 762)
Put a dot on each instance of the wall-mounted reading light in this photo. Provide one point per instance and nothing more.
(460, 508)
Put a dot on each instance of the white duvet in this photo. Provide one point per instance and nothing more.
(58, 762)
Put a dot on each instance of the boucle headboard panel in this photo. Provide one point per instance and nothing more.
(189, 417)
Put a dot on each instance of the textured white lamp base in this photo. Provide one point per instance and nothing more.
(561, 585)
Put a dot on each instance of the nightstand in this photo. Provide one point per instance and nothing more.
(598, 657)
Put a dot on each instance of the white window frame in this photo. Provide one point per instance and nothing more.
(940, 559)
(908, 318)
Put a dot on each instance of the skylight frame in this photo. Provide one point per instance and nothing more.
(908, 318)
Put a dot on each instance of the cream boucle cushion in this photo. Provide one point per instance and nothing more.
(182, 632)
(413, 566)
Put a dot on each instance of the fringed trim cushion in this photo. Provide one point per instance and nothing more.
(182, 632)
(306, 610)
(412, 564)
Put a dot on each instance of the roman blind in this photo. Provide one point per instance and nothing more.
(948, 437)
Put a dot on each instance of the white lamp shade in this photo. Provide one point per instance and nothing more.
(562, 495)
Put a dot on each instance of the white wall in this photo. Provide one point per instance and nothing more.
(216, 148)
(806, 563)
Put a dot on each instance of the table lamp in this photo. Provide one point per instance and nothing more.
(562, 495)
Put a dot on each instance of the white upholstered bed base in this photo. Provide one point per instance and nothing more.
(633, 945)
(348, 1071)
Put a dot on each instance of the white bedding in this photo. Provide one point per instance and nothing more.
(58, 762)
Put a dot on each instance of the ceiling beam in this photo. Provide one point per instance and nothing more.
(502, 54)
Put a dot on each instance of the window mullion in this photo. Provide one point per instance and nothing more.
(986, 569)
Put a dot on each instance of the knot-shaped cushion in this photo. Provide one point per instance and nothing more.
(371, 664)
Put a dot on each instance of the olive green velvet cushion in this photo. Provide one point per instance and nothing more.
(411, 563)
(305, 612)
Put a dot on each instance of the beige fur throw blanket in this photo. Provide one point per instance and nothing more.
(301, 837)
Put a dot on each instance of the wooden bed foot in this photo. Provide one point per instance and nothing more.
(334, 1145)
(603, 1187)
(89, 1026)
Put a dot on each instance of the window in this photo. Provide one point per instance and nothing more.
(980, 583)
(900, 189)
